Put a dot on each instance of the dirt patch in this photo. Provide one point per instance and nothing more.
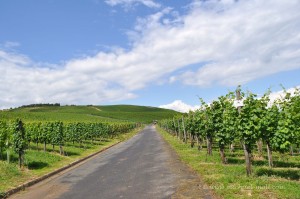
(97, 108)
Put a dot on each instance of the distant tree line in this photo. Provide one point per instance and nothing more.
(40, 105)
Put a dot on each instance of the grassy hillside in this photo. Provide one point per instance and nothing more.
(88, 113)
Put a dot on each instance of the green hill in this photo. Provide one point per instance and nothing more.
(133, 113)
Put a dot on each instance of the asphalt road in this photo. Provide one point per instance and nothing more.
(142, 167)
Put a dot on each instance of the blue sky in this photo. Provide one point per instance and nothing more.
(145, 52)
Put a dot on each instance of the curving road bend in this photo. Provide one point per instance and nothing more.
(142, 167)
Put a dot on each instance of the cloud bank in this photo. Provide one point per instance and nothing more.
(232, 42)
(180, 106)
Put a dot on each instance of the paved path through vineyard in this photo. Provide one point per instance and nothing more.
(143, 167)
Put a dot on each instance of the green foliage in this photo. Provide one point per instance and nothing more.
(18, 136)
(33, 132)
(46, 130)
(3, 136)
(18, 140)
(249, 120)
(225, 120)
(269, 123)
(275, 123)
(287, 132)
(57, 135)
(199, 123)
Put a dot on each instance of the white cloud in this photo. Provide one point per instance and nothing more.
(21, 84)
(180, 106)
(245, 41)
(132, 3)
(281, 94)
(239, 40)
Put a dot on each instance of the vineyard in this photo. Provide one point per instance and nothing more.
(261, 133)
(18, 136)
(253, 122)
(111, 113)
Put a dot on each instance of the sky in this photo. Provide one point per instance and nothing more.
(162, 53)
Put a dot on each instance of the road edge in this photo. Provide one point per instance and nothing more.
(210, 194)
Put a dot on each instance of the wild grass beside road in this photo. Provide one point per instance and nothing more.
(230, 181)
